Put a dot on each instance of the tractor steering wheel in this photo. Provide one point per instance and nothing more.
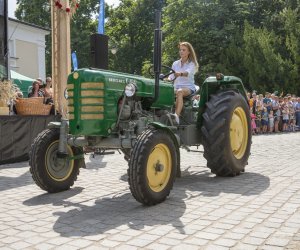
(162, 76)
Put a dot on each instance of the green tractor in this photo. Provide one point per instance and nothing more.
(133, 114)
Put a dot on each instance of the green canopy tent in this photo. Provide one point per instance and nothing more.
(23, 82)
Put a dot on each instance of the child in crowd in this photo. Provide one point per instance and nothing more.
(277, 113)
(253, 124)
(264, 120)
(258, 118)
(271, 121)
(292, 123)
(285, 117)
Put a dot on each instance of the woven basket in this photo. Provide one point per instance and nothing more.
(32, 106)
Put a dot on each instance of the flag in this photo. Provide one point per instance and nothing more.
(74, 60)
(101, 18)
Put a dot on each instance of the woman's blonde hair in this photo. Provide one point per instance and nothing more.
(192, 55)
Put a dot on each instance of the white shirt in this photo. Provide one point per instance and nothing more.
(184, 81)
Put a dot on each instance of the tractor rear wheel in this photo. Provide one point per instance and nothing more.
(226, 133)
(51, 173)
(152, 167)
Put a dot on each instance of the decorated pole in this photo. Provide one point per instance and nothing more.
(61, 12)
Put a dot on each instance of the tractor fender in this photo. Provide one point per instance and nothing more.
(159, 125)
(175, 139)
(54, 125)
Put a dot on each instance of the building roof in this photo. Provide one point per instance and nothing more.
(29, 24)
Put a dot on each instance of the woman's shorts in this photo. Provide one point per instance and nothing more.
(191, 94)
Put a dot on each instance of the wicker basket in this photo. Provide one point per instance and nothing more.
(32, 106)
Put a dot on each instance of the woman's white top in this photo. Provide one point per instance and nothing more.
(184, 81)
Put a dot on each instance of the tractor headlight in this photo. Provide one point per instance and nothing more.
(66, 93)
(130, 89)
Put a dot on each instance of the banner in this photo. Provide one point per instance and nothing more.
(74, 61)
(101, 18)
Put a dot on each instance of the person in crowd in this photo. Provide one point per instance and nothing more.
(48, 91)
(285, 115)
(297, 112)
(267, 102)
(292, 120)
(277, 113)
(264, 120)
(254, 103)
(250, 101)
(260, 102)
(185, 69)
(253, 124)
(41, 83)
(258, 119)
(271, 121)
(36, 91)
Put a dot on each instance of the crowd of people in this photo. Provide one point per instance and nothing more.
(39, 89)
(272, 113)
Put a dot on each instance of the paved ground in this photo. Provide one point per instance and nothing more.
(259, 209)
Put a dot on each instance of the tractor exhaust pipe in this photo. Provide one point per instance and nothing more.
(157, 53)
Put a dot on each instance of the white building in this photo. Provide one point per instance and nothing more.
(26, 44)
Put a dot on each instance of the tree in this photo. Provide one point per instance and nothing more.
(83, 24)
(211, 26)
(130, 27)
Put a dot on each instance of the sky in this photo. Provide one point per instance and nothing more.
(12, 5)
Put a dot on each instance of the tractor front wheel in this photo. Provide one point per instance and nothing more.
(226, 133)
(152, 167)
(49, 171)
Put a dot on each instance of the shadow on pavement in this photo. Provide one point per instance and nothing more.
(120, 210)
(57, 199)
(15, 165)
(15, 182)
(208, 184)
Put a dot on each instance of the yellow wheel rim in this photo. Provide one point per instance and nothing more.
(159, 166)
(59, 169)
(238, 132)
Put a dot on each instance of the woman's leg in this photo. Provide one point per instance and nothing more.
(180, 93)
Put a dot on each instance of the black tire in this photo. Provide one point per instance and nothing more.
(151, 186)
(226, 133)
(44, 167)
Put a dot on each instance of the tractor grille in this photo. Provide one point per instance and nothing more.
(86, 102)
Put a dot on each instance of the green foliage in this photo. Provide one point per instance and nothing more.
(131, 27)
(83, 24)
(256, 40)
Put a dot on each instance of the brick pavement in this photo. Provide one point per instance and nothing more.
(259, 209)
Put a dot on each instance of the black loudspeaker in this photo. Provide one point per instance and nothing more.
(3, 40)
(99, 51)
